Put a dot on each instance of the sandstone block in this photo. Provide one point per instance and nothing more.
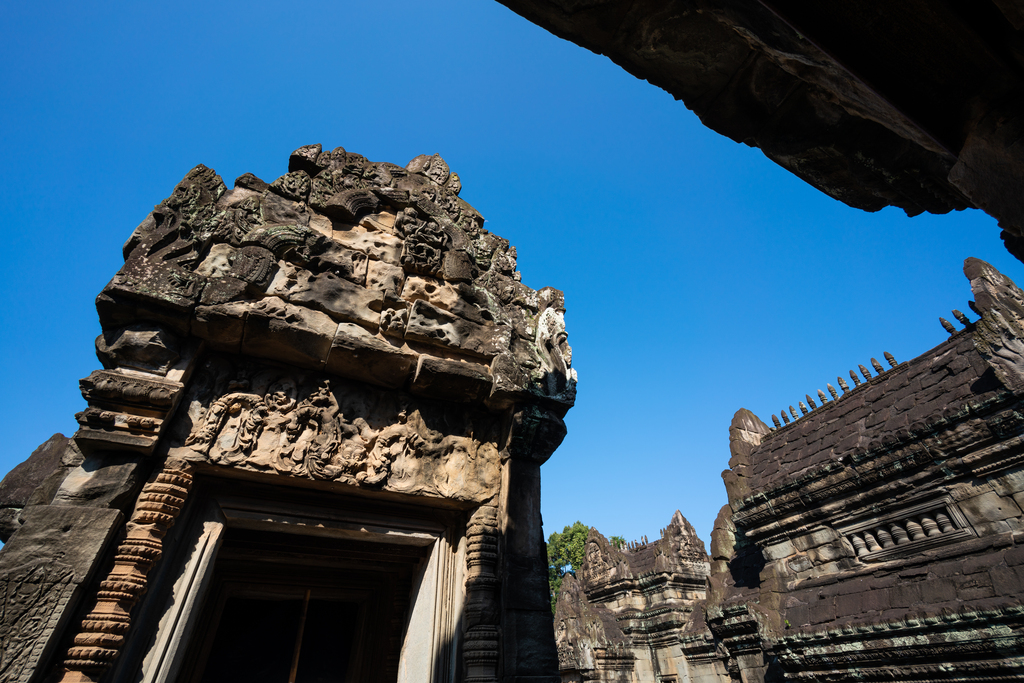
(221, 325)
(465, 301)
(346, 263)
(379, 246)
(386, 277)
(103, 480)
(989, 507)
(145, 347)
(451, 380)
(340, 299)
(291, 334)
(357, 354)
(433, 325)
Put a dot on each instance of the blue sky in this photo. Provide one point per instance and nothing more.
(699, 276)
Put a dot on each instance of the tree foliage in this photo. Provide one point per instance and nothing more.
(566, 550)
(617, 541)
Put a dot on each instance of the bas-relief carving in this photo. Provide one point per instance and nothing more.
(306, 425)
(31, 603)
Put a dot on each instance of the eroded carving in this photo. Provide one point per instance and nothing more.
(306, 425)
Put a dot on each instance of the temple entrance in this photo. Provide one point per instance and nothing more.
(286, 609)
(266, 588)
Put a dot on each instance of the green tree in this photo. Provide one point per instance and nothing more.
(565, 554)
(617, 541)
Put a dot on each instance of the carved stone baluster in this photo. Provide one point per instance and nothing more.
(945, 525)
(872, 544)
(858, 545)
(480, 650)
(929, 526)
(103, 630)
(915, 530)
(885, 538)
(899, 534)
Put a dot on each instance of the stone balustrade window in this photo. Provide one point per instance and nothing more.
(907, 531)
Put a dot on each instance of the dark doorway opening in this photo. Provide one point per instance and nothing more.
(291, 609)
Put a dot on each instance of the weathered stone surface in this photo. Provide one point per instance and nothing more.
(32, 482)
(357, 354)
(621, 594)
(275, 329)
(863, 100)
(103, 480)
(878, 519)
(338, 234)
(17, 487)
(338, 298)
(433, 325)
(44, 569)
(450, 380)
(143, 347)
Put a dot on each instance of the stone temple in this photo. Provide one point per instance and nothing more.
(312, 453)
(873, 536)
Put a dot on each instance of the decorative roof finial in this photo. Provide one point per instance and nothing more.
(889, 359)
(855, 378)
(803, 408)
(961, 317)
(843, 385)
(775, 419)
(864, 371)
(785, 418)
(792, 411)
(877, 366)
(948, 326)
(810, 401)
(832, 390)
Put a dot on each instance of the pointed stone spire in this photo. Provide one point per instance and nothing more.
(792, 411)
(855, 378)
(775, 419)
(843, 385)
(948, 326)
(890, 360)
(803, 408)
(810, 401)
(961, 317)
(785, 418)
(832, 390)
(821, 397)
(877, 366)
(864, 371)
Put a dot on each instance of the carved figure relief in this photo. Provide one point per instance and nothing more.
(309, 426)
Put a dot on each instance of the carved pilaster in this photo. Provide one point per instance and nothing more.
(103, 630)
(480, 650)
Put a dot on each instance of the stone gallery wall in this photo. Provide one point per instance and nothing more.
(349, 330)
(621, 617)
(878, 534)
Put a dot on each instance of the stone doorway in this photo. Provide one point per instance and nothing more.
(265, 588)
(306, 610)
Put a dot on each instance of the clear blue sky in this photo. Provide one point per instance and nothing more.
(699, 277)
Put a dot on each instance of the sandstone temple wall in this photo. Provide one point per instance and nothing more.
(877, 534)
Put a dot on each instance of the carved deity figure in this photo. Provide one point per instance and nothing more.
(230, 428)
